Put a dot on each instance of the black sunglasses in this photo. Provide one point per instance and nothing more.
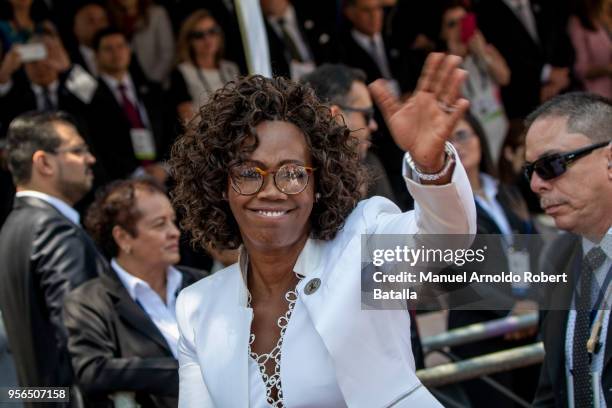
(368, 113)
(200, 34)
(554, 165)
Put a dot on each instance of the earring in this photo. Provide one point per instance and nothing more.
(317, 197)
(224, 196)
(127, 250)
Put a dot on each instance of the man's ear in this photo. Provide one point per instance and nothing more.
(609, 157)
(42, 164)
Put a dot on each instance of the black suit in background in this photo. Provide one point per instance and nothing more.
(521, 381)
(109, 135)
(115, 346)
(43, 256)
(565, 256)
(525, 57)
(318, 37)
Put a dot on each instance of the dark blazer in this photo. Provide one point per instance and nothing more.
(115, 346)
(565, 255)
(318, 38)
(43, 256)
(21, 98)
(110, 130)
(525, 57)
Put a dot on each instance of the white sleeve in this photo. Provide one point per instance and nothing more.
(439, 209)
(192, 389)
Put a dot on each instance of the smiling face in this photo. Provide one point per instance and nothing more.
(580, 199)
(271, 219)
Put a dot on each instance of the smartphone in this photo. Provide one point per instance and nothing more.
(468, 27)
(32, 52)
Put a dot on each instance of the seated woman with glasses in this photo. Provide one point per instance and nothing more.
(268, 169)
(122, 330)
(500, 209)
(201, 69)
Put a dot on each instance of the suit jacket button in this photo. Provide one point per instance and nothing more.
(312, 286)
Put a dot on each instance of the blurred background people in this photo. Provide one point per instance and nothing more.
(201, 67)
(347, 94)
(88, 20)
(487, 71)
(531, 35)
(20, 25)
(125, 114)
(44, 253)
(149, 30)
(495, 214)
(590, 30)
(122, 330)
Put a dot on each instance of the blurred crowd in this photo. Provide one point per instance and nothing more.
(132, 74)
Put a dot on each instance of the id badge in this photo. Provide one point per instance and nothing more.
(299, 69)
(519, 263)
(143, 144)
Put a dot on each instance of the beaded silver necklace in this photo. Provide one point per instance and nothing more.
(274, 380)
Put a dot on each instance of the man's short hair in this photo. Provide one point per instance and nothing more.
(103, 33)
(586, 113)
(29, 133)
(332, 82)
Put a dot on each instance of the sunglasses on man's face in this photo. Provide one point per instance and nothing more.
(554, 165)
(201, 34)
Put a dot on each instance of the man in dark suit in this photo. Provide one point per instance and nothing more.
(296, 42)
(44, 253)
(531, 36)
(125, 115)
(569, 160)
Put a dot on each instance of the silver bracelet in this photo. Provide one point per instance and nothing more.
(449, 153)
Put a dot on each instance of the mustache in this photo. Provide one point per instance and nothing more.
(550, 201)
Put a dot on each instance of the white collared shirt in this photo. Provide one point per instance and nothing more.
(492, 206)
(40, 97)
(598, 359)
(292, 26)
(65, 209)
(89, 57)
(162, 314)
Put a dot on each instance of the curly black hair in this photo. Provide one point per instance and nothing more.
(223, 134)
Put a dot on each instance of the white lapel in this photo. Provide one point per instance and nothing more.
(222, 343)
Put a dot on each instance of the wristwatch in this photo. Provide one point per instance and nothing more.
(418, 175)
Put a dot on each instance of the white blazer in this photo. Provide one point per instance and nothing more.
(370, 349)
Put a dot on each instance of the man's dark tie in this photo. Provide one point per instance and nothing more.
(130, 110)
(48, 104)
(288, 40)
(583, 387)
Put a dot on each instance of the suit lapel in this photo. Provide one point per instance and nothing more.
(223, 342)
(131, 312)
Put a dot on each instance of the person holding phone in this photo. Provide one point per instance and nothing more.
(487, 70)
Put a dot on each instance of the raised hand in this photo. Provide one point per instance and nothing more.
(424, 123)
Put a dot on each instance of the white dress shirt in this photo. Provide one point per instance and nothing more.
(39, 93)
(598, 358)
(61, 206)
(492, 206)
(292, 27)
(162, 314)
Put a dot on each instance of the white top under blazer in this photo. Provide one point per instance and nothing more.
(369, 351)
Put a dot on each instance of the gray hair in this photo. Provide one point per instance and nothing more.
(586, 113)
(332, 82)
